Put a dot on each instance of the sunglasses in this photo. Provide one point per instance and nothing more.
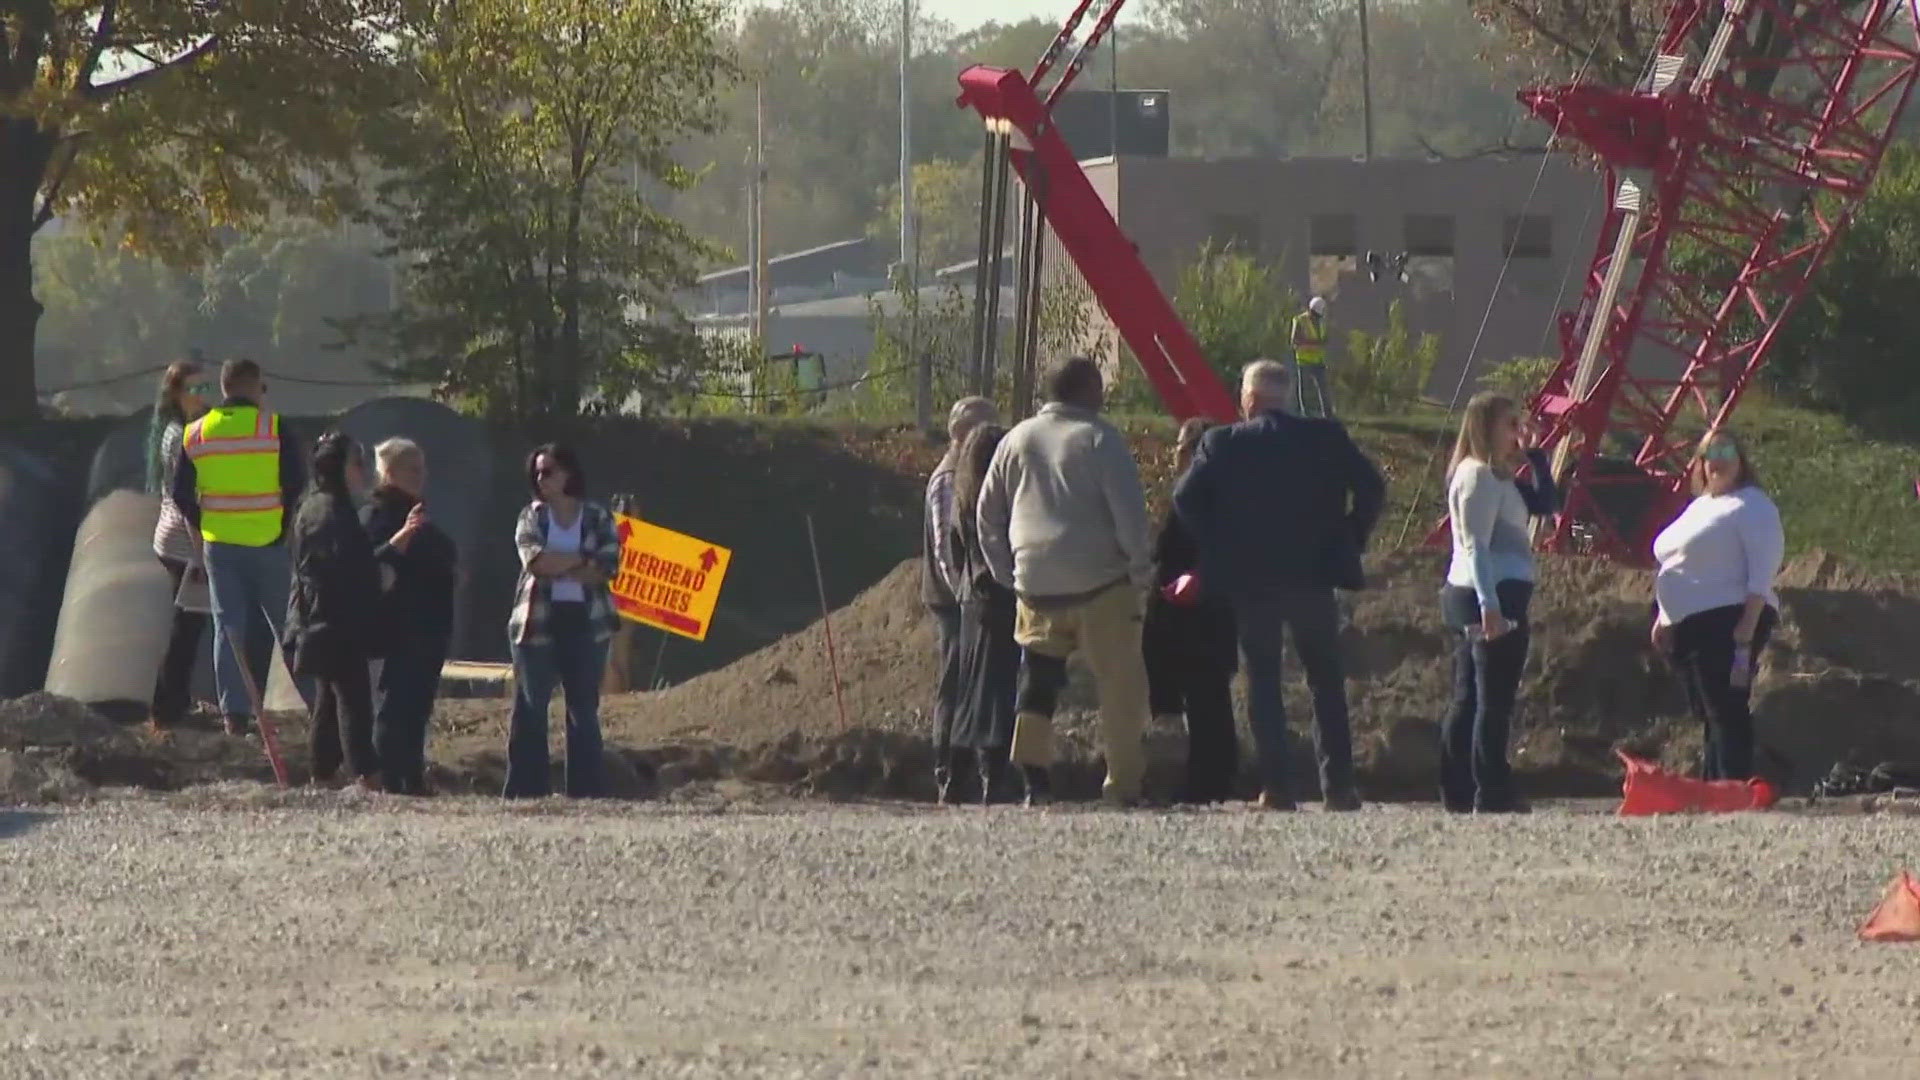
(1720, 451)
(201, 389)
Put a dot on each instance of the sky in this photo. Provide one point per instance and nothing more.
(970, 13)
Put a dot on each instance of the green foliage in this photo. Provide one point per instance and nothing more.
(1519, 378)
(1384, 374)
(946, 210)
(911, 328)
(160, 121)
(1237, 309)
(273, 296)
(541, 274)
(1848, 347)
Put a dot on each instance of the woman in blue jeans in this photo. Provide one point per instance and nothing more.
(562, 619)
(1489, 586)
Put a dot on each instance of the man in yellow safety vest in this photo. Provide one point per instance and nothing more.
(237, 483)
(1310, 357)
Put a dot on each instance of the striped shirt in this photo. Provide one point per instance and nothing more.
(172, 536)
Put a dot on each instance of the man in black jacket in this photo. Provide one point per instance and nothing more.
(1281, 508)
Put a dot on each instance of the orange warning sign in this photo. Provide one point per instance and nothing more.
(668, 579)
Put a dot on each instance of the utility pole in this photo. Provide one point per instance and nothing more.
(760, 231)
(1366, 87)
(909, 242)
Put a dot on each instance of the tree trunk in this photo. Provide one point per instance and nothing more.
(25, 151)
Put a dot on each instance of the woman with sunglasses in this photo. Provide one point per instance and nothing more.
(1715, 601)
(563, 618)
(183, 397)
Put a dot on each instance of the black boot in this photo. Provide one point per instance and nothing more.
(1039, 785)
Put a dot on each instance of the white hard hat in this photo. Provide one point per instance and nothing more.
(1317, 305)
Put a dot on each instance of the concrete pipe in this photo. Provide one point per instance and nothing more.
(38, 511)
(118, 606)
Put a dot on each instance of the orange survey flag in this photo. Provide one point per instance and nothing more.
(1649, 789)
(1897, 918)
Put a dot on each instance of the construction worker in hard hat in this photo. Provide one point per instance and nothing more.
(1310, 357)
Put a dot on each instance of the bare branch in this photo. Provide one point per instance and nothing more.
(61, 169)
(121, 85)
(102, 35)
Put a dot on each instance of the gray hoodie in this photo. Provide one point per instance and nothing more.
(1062, 513)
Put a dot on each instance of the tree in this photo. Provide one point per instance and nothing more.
(162, 120)
(1848, 346)
(541, 275)
(1237, 309)
(946, 205)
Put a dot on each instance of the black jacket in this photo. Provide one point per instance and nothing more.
(1280, 502)
(1196, 637)
(333, 613)
(418, 602)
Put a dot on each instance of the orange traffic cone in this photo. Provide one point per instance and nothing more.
(1898, 916)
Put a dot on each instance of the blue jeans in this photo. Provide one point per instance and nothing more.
(1475, 773)
(244, 582)
(1313, 617)
(573, 661)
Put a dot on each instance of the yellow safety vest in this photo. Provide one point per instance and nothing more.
(1309, 340)
(235, 450)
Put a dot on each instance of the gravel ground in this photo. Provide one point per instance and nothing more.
(239, 933)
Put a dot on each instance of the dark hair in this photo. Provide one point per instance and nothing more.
(173, 386)
(166, 411)
(970, 475)
(237, 373)
(331, 454)
(562, 455)
(1073, 379)
(1190, 432)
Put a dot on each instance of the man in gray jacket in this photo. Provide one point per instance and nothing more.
(1063, 522)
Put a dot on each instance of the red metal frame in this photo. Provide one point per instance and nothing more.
(1075, 212)
(1762, 182)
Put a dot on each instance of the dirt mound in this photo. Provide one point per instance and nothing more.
(1839, 682)
(884, 643)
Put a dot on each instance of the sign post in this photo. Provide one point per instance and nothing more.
(667, 579)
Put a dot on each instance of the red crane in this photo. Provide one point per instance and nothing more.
(1730, 170)
(1011, 104)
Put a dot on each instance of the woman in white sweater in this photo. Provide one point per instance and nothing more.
(1489, 586)
(1716, 605)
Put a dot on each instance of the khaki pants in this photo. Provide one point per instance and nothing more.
(1105, 631)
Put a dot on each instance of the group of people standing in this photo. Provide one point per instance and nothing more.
(339, 557)
(1039, 548)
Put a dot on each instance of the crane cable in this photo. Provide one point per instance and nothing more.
(1506, 262)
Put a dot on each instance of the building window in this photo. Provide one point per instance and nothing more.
(1528, 236)
(1333, 242)
(1427, 235)
(1333, 235)
(1237, 233)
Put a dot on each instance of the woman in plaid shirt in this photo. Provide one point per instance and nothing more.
(562, 619)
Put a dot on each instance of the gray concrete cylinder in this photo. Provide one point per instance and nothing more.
(118, 606)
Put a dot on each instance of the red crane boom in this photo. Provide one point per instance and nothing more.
(1146, 320)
